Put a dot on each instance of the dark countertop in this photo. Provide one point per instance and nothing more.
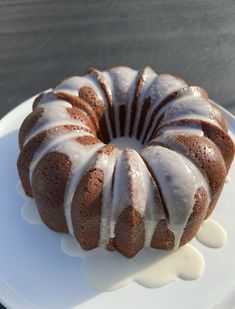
(45, 41)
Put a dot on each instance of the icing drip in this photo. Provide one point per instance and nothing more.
(180, 180)
(54, 125)
(124, 80)
(186, 107)
(120, 192)
(106, 163)
(107, 96)
(30, 212)
(50, 143)
(228, 179)
(46, 98)
(54, 103)
(169, 137)
(74, 84)
(149, 76)
(80, 157)
(192, 129)
(50, 99)
(20, 190)
(211, 234)
(142, 194)
(53, 116)
(115, 104)
(153, 214)
(162, 86)
(137, 190)
(140, 185)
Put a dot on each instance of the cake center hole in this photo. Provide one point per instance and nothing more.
(127, 142)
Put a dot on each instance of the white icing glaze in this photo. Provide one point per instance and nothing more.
(211, 234)
(150, 226)
(135, 189)
(71, 247)
(115, 103)
(46, 97)
(106, 163)
(120, 192)
(153, 213)
(124, 80)
(148, 76)
(179, 180)
(142, 194)
(107, 271)
(102, 80)
(30, 212)
(80, 156)
(52, 141)
(74, 84)
(144, 78)
(192, 129)
(125, 193)
(53, 116)
(50, 99)
(162, 86)
(49, 126)
(127, 142)
(169, 138)
(228, 179)
(139, 181)
(54, 103)
(20, 190)
(186, 107)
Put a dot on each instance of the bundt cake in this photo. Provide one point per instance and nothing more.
(124, 159)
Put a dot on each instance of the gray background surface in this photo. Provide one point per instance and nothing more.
(43, 42)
